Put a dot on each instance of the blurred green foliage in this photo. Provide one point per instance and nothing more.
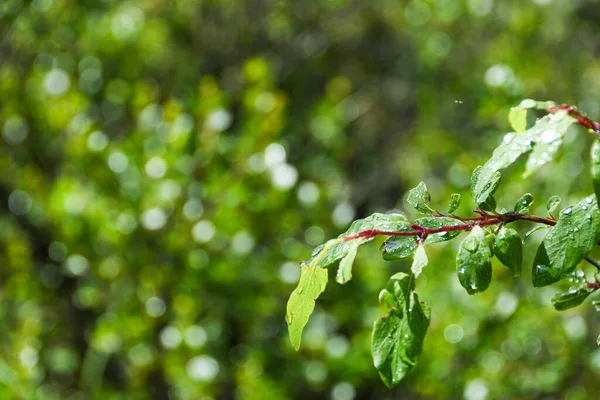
(166, 165)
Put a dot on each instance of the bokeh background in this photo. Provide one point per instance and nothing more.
(166, 165)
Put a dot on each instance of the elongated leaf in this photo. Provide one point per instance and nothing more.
(522, 205)
(508, 248)
(595, 157)
(419, 198)
(518, 119)
(398, 338)
(568, 242)
(420, 261)
(344, 272)
(543, 138)
(571, 298)
(301, 304)
(547, 137)
(473, 262)
(454, 202)
(552, 203)
(399, 247)
(483, 188)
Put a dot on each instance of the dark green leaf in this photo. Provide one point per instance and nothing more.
(518, 119)
(571, 298)
(398, 338)
(568, 242)
(302, 300)
(454, 202)
(595, 161)
(399, 247)
(419, 198)
(522, 205)
(552, 203)
(508, 248)
(473, 262)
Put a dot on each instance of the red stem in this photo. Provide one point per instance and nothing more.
(581, 119)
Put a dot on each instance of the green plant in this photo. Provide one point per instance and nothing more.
(398, 337)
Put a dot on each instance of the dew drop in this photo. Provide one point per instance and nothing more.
(589, 200)
(567, 211)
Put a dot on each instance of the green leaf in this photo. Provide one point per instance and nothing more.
(420, 261)
(419, 198)
(336, 249)
(473, 262)
(547, 135)
(595, 161)
(552, 203)
(508, 248)
(399, 247)
(518, 119)
(543, 138)
(483, 188)
(571, 298)
(398, 337)
(522, 205)
(575, 234)
(454, 202)
(344, 272)
(534, 230)
(301, 304)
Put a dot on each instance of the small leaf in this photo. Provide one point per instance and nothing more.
(575, 234)
(509, 249)
(552, 203)
(344, 272)
(454, 203)
(419, 198)
(518, 119)
(522, 205)
(484, 185)
(399, 247)
(302, 300)
(595, 160)
(571, 298)
(420, 261)
(398, 337)
(473, 262)
(598, 341)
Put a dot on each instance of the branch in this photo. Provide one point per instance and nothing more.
(581, 119)
(484, 220)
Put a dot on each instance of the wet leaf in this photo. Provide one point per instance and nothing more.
(454, 202)
(301, 304)
(419, 198)
(508, 248)
(595, 161)
(473, 262)
(571, 298)
(575, 234)
(398, 337)
(420, 261)
(552, 203)
(522, 205)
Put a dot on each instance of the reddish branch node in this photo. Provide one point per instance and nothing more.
(581, 119)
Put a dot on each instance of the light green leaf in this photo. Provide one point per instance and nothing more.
(595, 161)
(484, 187)
(399, 247)
(473, 262)
(552, 203)
(575, 234)
(571, 298)
(420, 261)
(344, 272)
(518, 119)
(398, 338)
(419, 198)
(454, 202)
(301, 304)
(534, 230)
(547, 138)
(543, 138)
(508, 248)
(522, 205)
